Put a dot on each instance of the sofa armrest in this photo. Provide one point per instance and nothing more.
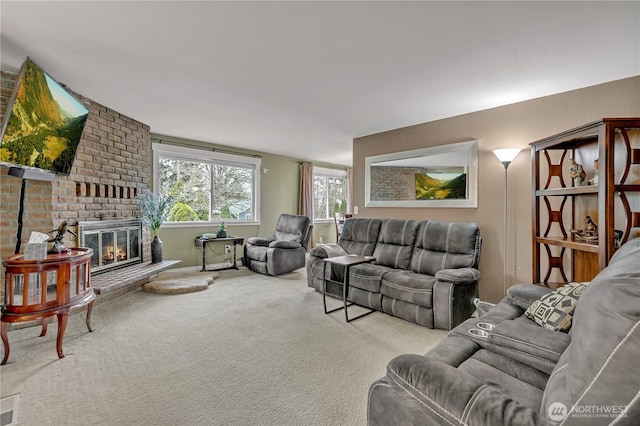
(285, 244)
(525, 341)
(453, 294)
(283, 261)
(323, 251)
(453, 396)
(458, 275)
(523, 295)
(259, 241)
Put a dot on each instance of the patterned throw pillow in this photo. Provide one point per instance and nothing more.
(554, 310)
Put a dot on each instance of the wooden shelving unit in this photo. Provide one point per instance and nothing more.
(559, 206)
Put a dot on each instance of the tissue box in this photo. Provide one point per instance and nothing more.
(35, 251)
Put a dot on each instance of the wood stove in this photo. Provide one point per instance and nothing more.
(115, 243)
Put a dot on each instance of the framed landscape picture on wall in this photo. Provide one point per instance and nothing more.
(440, 176)
(441, 183)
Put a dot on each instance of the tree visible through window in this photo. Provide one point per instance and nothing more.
(330, 192)
(207, 189)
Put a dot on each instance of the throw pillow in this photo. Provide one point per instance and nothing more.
(554, 311)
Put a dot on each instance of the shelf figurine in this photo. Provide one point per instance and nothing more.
(576, 172)
(58, 246)
(594, 179)
(589, 233)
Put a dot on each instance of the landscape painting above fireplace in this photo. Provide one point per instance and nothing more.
(45, 124)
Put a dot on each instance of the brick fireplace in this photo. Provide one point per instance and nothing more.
(112, 166)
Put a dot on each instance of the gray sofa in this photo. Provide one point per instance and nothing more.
(521, 373)
(283, 253)
(425, 272)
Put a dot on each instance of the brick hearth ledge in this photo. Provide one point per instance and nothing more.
(120, 278)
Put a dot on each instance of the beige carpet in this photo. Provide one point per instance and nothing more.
(249, 350)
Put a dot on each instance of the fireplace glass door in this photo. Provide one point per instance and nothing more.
(114, 244)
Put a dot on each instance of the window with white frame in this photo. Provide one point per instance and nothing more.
(330, 192)
(207, 186)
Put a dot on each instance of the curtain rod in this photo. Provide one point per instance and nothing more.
(323, 166)
(223, 151)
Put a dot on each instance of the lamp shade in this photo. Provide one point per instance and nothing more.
(506, 154)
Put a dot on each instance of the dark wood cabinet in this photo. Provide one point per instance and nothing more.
(39, 289)
(566, 195)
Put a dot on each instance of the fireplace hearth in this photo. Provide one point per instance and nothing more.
(115, 243)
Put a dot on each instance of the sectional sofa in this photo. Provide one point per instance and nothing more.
(530, 360)
(424, 272)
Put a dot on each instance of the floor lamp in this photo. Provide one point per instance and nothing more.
(506, 156)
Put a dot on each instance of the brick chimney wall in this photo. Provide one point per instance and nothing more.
(112, 166)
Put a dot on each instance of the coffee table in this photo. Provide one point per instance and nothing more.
(346, 262)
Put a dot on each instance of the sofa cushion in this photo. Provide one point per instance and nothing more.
(408, 311)
(359, 236)
(554, 310)
(494, 370)
(409, 286)
(256, 252)
(395, 243)
(366, 298)
(443, 245)
(291, 228)
(367, 276)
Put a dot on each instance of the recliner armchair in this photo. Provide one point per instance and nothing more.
(283, 253)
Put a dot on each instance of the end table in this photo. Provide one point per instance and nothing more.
(346, 262)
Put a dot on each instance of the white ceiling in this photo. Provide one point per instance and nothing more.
(305, 78)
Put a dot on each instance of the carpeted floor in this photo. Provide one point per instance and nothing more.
(249, 350)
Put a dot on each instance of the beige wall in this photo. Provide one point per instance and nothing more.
(514, 125)
(278, 194)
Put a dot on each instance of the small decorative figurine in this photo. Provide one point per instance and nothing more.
(576, 171)
(594, 179)
(590, 231)
(58, 246)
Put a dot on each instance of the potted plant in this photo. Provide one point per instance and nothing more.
(222, 230)
(155, 209)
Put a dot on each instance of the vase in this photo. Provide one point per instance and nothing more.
(222, 234)
(156, 250)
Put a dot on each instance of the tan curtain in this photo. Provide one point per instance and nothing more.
(349, 190)
(305, 200)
